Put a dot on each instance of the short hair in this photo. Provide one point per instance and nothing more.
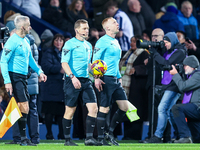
(185, 3)
(20, 20)
(137, 37)
(182, 32)
(105, 20)
(79, 22)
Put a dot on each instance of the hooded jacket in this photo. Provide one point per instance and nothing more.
(169, 22)
(176, 58)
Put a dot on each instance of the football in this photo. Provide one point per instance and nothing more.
(99, 67)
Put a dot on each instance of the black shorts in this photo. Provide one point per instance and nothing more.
(112, 91)
(19, 85)
(86, 91)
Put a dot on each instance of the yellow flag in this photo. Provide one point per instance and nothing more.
(11, 115)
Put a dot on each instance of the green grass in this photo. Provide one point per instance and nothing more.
(124, 145)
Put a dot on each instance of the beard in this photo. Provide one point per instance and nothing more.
(189, 71)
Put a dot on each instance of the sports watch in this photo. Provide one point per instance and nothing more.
(71, 76)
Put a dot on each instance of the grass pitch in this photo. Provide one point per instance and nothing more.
(124, 145)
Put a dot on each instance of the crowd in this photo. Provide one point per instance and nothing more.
(159, 76)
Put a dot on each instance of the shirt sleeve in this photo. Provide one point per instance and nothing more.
(66, 53)
(98, 51)
(33, 64)
(8, 50)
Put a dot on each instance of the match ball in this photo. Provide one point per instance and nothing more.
(99, 67)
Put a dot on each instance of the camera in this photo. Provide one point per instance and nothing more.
(146, 44)
(6, 33)
(179, 68)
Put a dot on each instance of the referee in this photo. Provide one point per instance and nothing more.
(15, 60)
(108, 49)
(76, 58)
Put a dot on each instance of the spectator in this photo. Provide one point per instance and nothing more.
(189, 21)
(164, 9)
(193, 49)
(137, 20)
(125, 25)
(173, 55)
(191, 100)
(146, 11)
(169, 21)
(135, 74)
(76, 11)
(100, 13)
(181, 36)
(31, 6)
(146, 34)
(52, 91)
(54, 15)
(46, 40)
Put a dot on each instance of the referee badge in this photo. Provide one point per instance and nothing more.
(65, 51)
(7, 51)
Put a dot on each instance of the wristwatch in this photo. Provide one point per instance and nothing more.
(71, 76)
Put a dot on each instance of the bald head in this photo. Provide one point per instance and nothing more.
(134, 6)
(157, 35)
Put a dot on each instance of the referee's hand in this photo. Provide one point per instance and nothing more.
(98, 84)
(76, 83)
(9, 88)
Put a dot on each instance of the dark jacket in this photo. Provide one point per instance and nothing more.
(176, 58)
(169, 22)
(52, 89)
(55, 17)
(137, 21)
(33, 79)
(191, 84)
(72, 18)
(146, 11)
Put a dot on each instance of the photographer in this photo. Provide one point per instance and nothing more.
(191, 101)
(157, 36)
(173, 55)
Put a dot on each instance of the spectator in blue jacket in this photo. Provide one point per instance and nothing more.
(169, 21)
(189, 21)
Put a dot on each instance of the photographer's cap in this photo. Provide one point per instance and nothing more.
(191, 61)
(10, 25)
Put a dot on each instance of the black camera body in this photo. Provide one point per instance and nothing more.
(179, 68)
(7, 33)
(146, 44)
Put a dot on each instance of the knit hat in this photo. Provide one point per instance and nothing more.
(172, 9)
(166, 39)
(191, 61)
